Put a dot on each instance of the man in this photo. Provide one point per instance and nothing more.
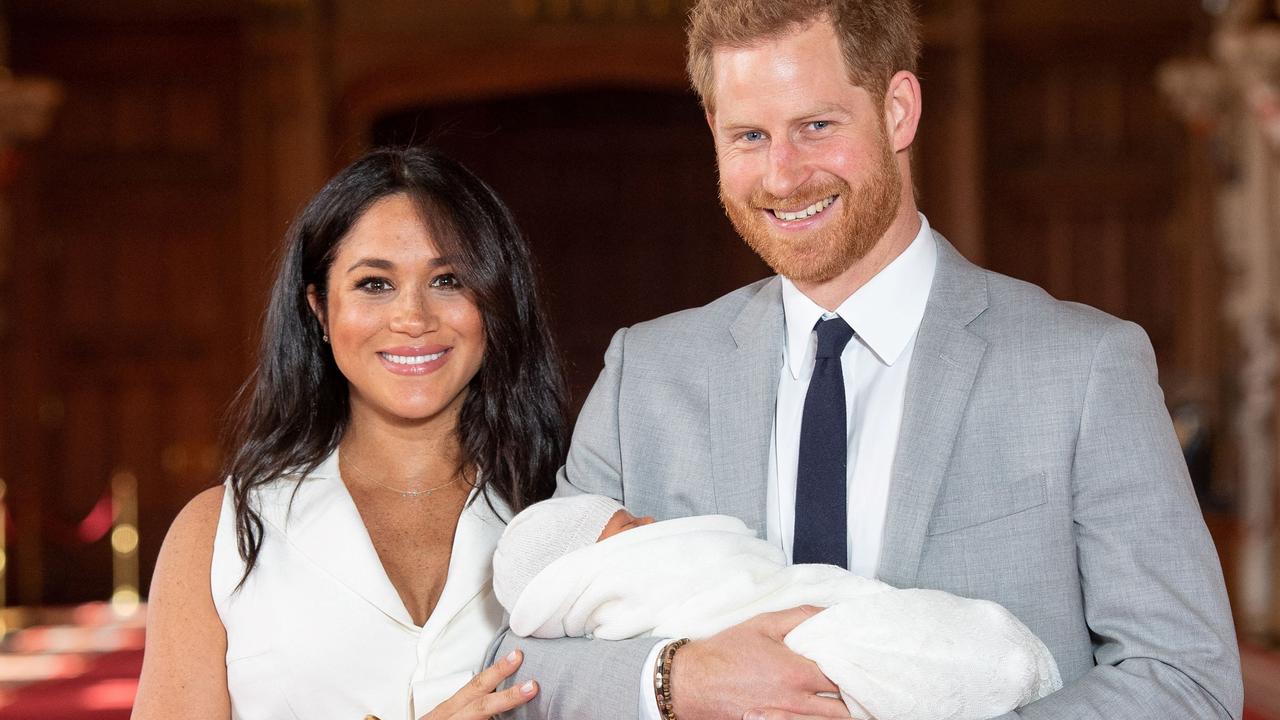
(887, 406)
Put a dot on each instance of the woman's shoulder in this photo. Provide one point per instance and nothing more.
(190, 537)
(204, 507)
(186, 643)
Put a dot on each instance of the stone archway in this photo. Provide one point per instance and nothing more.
(522, 66)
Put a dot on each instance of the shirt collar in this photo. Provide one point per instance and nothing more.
(886, 312)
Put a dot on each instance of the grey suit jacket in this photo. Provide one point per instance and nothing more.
(1036, 467)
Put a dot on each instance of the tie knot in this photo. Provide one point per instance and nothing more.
(833, 335)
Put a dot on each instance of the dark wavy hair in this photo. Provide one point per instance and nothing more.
(294, 409)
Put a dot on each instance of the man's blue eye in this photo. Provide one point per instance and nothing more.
(820, 124)
(753, 136)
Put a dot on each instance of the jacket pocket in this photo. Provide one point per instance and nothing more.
(974, 501)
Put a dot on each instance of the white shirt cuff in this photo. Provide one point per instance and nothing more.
(648, 701)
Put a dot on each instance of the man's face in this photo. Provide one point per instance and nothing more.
(807, 174)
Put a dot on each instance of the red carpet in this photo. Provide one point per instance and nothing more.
(83, 664)
(1261, 670)
(103, 692)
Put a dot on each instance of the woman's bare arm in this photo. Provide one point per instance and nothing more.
(184, 670)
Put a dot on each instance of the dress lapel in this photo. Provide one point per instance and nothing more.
(743, 387)
(323, 524)
(943, 368)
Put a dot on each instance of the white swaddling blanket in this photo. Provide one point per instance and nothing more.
(894, 654)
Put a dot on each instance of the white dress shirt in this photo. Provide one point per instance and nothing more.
(885, 314)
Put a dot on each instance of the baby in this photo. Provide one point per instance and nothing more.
(583, 566)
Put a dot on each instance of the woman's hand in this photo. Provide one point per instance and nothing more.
(477, 699)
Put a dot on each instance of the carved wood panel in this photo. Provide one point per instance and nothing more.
(1085, 167)
(130, 340)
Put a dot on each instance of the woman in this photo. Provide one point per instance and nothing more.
(407, 397)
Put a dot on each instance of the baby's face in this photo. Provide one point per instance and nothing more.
(622, 520)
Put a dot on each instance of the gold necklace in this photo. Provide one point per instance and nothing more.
(403, 493)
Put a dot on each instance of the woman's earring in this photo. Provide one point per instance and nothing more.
(326, 337)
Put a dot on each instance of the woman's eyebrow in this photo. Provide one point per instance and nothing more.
(376, 263)
(383, 264)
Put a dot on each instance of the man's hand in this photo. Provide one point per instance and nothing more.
(748, 668)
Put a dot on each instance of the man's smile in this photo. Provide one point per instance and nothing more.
(803, 213)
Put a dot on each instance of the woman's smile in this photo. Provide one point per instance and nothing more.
(415, 361)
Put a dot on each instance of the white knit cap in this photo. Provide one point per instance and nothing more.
(543, 533)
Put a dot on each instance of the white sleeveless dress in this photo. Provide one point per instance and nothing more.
(318, 630)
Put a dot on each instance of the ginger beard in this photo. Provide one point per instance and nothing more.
(820, 255)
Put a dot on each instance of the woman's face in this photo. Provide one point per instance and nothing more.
(404, 332)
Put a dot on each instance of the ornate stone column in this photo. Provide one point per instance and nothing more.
(1232, 101)
(26, 109)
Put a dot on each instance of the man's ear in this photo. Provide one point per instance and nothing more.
(317, 308)
(711, 121)
(903, 104)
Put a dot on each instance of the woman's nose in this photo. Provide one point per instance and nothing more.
(413, 315)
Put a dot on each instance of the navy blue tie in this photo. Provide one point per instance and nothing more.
(820, 525)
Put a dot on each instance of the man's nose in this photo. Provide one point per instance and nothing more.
(788, 169)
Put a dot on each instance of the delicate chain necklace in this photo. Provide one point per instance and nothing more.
(402, 492)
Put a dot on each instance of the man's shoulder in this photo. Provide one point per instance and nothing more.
(1029, 313)
(699, 328)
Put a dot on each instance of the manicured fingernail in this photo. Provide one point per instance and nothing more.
(513, 656)
(527, 687)
(753, 715)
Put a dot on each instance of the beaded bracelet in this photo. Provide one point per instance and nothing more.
(662, 679)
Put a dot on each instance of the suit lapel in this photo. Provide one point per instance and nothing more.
(743, 388)
(943, 368)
